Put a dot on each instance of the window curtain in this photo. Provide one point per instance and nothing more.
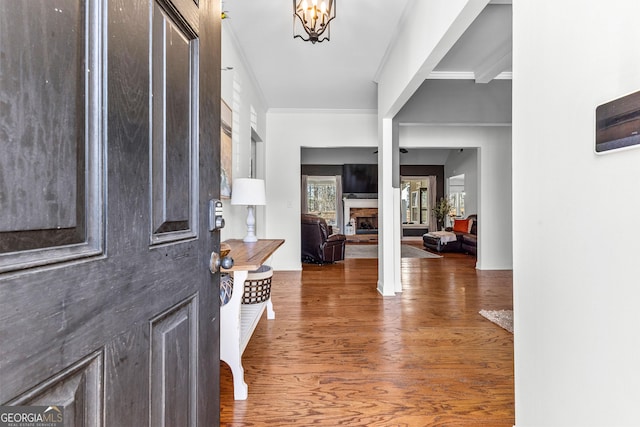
(304, 200)
(339, 207)
(433, 201)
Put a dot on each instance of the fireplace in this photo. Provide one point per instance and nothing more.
(364, 213)
(365, 220)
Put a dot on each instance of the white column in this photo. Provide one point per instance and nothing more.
(397, 240)
(386, 227)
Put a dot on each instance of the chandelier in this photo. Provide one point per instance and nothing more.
(314, 19)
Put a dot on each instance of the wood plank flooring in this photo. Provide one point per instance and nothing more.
(340, 354)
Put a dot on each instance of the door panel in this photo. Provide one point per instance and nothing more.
(78, 389)
(173, 366)
(50, 143)
(174, 74)
(51, 156)
(120, 321)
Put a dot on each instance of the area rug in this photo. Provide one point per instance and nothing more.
(502, 318)
(371, 251)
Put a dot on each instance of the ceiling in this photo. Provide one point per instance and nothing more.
(341, 73)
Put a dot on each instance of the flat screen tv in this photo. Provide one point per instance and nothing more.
(357, 178)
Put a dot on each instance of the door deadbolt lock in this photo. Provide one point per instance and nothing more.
(216, 221)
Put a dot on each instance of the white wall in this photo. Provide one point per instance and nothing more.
(430, 156)
(576, 269)
(493, 180)
(240, 92)
(287, 132)
(459, 102)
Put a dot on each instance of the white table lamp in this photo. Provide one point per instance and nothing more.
(249, 192)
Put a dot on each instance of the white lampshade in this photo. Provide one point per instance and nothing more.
(248, 191)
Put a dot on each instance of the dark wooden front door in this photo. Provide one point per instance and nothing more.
(109, 154)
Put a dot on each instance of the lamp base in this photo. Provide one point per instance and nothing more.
(251, 227)
(250, 239)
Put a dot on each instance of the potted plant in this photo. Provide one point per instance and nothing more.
(441, 211)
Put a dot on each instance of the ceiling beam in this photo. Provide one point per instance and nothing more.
(417, 52)
(494, 64)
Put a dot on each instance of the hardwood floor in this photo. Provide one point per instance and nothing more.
(338, 353)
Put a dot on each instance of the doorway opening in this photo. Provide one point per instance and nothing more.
(415, 204)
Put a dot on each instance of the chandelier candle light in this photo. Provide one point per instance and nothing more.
(249, 192)
(314, 19)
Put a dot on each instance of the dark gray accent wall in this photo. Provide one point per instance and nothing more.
(321, 170)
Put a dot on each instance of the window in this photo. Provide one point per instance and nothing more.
(321, 197)
(414, 200)
(456, 194)
(254, 156)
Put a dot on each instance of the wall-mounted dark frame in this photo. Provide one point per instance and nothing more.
(618, 123)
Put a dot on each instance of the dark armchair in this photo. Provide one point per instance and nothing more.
(318, 244)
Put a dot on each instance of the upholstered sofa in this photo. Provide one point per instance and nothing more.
(470, 240)
(466, 237)
(319, 245)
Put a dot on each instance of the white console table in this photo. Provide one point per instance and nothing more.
(237, 320)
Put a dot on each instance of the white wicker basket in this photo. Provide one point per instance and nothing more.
(257, 287)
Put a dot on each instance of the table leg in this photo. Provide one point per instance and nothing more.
(270, 313)
(230, 336)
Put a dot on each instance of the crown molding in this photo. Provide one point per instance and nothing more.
(321, 111)
(245, 63)
(465, 75)
(471, 124)
(392, 42)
